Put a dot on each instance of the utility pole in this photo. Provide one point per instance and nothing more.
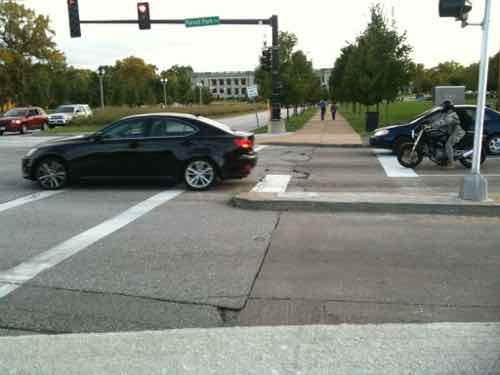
(101, 84)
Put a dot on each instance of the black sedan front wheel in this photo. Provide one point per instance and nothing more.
(51, 174)
(199, 174)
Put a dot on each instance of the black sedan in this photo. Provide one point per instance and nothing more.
(392, 137)
(180, 147)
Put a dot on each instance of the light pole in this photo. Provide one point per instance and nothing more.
(475, 186)
(164, 81)
(200, 86)
(100, 73)
(498, 85)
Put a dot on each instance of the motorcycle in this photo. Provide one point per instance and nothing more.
(431, 143)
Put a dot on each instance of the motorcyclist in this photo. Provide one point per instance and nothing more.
(451, 122)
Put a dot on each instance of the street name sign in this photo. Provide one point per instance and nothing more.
(203, 21)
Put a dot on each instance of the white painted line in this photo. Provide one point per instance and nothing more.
(260, 148)
(28, 199)
(392, 167)
(273, 183)
(16, 276)
(455, 175)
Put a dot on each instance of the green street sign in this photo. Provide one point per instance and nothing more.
(205, 21)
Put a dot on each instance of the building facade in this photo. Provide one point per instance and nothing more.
(226, 85)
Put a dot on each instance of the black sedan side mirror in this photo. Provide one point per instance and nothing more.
(97, 137)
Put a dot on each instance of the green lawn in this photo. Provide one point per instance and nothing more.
(294, 123)
(108, 115)
(394, 113)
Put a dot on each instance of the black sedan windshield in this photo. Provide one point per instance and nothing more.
(15, 113)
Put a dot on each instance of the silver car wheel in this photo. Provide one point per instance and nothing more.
(51, 174)
(199, 174)
(494, 144)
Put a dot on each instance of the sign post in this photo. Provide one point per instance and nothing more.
(253, 93)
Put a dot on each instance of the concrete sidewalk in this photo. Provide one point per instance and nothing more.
(465, 348)
(318, 133)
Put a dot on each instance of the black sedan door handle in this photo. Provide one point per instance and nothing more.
(187, 143)
(134, 144)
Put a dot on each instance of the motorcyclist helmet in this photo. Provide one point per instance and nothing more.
(448, 106)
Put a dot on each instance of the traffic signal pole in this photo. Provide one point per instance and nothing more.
(475, 186)
(276, 125)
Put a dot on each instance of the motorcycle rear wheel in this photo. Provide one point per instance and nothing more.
(407, 158)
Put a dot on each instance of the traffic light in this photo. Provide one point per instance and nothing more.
(266, 60)
(458, 9)
(143, 12)
(74, 19)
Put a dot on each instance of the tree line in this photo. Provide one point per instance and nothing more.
(33, 71)
(454, 74)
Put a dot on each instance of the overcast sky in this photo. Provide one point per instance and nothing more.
(323, 27)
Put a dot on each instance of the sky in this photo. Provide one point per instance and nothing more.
(322, 27)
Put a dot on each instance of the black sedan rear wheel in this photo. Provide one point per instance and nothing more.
(199, 174)
(51, 174)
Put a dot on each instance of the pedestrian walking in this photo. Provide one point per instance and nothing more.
(333, 108)
(322, 107)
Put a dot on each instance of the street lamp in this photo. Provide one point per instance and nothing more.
(200, 86)
(100, 73)
(164, 81)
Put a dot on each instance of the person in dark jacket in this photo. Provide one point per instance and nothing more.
(333, 109)
(322, 107)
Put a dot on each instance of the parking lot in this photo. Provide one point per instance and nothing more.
(100, 257)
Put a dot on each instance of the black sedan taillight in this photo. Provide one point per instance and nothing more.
(244, 143)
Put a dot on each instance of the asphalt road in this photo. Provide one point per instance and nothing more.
(77, 262)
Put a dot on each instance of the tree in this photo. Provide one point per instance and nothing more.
(376, 67)
(25, 40)
(298, 81)
(179, 83)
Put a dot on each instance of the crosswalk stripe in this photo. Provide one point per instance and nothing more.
(28, 199)
(273, 184)
(13, 278)
(392, 167)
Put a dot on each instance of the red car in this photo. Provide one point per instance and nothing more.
(23, 120)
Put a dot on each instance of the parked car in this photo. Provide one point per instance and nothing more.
(184, 147)
(87, 109)
(23, 120)
(392, 137)
(64, 114)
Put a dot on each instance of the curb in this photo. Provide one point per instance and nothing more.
(322, 145)
(267, 202)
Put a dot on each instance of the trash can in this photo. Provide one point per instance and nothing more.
(371, 121)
